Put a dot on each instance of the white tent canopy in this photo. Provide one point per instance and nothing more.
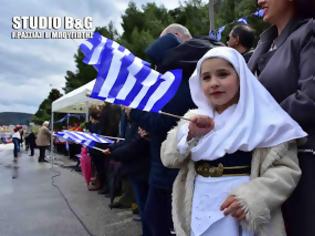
(76, 101)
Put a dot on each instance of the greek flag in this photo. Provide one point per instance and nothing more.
(217, 35)
(125, 79)
(259, 13)
(86, 139)
(242, 20)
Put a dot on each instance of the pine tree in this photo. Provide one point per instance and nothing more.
(44, 111)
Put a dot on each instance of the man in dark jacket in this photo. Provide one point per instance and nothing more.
(133, 154)
(181, 51)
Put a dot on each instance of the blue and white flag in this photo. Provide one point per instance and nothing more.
(259, 13)
(86, 139)
(217, 35)
(125, 79)
(242, 20)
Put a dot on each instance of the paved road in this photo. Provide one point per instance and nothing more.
(31, 206)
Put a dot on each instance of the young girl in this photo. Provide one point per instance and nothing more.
(237, 156)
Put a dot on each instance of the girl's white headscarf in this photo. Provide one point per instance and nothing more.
(257, 120)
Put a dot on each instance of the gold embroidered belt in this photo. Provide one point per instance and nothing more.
(207, 170)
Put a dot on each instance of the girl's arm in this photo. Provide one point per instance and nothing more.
(181, 139)
(277, 174)
(170, 155)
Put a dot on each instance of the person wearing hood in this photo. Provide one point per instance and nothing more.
(237, 155)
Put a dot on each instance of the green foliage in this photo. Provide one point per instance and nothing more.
(194, 15)
(230, 10)
(44, 111)
(142, 26)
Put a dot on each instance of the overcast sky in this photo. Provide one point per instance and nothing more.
(29, 68)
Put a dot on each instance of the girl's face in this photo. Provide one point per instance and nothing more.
(220, 83)
(276, 11)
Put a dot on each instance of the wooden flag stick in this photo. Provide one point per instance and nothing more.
(117, 138)
(161, 112)
(96, 148)
(175, 116)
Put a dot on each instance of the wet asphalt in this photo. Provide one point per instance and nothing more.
(30, 204)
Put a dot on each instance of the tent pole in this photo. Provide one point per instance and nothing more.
(86, 112)
(67, 121)
(51, 140)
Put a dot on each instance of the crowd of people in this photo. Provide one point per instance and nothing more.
(242, 162)
(31, 140)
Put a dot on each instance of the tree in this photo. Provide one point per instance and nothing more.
(44, 111)
(228, 11)
(142, 26)
(194, 15)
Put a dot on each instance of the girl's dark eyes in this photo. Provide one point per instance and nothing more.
(206, 77)
(223, 74)
(220, 75)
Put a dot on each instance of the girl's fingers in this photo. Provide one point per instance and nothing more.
(228, 201)
(239, 214)
(199, 126)
(204, 122)
(231, 206)
(231, 209)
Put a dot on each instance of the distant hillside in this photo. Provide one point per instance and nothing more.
(13, 118)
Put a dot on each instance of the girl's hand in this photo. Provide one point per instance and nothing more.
(199, 126)
(231, 206)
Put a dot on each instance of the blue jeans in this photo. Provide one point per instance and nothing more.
(157, 212)
(16, 149)
(141, 189)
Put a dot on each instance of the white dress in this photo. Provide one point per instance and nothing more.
(210, 193)
(207, 218)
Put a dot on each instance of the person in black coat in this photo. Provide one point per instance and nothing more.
(182, 53)
(284, 63)
(31, 142)
(97, 157)
(105, 121)
(133, 154)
